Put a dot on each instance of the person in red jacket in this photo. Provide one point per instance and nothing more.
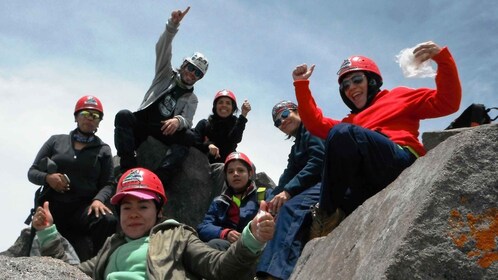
(373, 144)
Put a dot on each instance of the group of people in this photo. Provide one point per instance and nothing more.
(249, 230)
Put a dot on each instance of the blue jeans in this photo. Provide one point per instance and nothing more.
(358, 163)
(291, 233)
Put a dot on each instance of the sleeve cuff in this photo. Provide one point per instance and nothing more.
(250, 241)
(47, 234)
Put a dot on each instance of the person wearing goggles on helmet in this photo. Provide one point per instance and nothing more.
(370, 147)
(298, 189)
(167, 110)
(219, 135)
(83, 182)
(151, 247)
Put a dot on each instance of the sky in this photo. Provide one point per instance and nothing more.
(54, 52)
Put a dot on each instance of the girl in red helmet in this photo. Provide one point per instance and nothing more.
(370, 147)
(219, 135)
(79, 182)
(150, 247)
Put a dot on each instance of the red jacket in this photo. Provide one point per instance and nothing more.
(396, 113)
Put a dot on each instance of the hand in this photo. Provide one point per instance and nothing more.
(278, 201)
(302, 72)
(177, 16)
(214, 151)
(246, 107)
(233, 236)
(170, 126)
(263, 225)
(42, 218)
(58, 182)
(98, 208)
(425, 51)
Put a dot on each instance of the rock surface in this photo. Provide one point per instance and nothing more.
(437, 220)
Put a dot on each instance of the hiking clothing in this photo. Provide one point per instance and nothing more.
(224, 133)
(174, 252)
(367, 151)
(304, 164)
(301, 179)
(358, 164)
(291, 234)
(168, 97)
(395, 113)
(224, 214)
(90, 171)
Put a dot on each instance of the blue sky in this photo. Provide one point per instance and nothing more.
(53, 52)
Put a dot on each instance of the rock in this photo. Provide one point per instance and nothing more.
(437, 220)
(431, 139)
(38, 268)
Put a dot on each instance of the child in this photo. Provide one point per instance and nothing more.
(230, 212)
(149, 248)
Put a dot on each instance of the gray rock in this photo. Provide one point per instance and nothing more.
(38, 268)
(437, 220)
(431, 139)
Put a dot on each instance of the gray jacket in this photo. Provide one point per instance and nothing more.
(165, 79)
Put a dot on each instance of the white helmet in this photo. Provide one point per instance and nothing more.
(199, 61)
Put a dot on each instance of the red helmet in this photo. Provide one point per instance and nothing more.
(359, 63)
(225, 93)
(238, 156)
(141, 183)
(89, 102)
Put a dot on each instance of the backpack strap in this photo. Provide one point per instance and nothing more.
(487, 112)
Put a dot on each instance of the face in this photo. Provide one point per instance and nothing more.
(224, 107)
(355, 87)
(137, 216)
(237, 175)
(190, 74)
(88, 120)
(289, 122)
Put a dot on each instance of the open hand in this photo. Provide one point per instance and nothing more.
(98, 208)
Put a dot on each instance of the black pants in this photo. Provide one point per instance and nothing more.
(131, 129)
(86, 233)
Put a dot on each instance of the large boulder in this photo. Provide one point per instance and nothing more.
(437, 220)
(38, 268)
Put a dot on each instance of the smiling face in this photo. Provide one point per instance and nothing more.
(355, 86)
(188, 74)
(237, 175)
(224, 107)
(137, 217)
(290, 124)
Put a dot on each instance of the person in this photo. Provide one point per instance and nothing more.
(168, 107)
(219, 135)
(149, 247)
(298, 189)
(371, 146)
(83, 182)
(230, 212)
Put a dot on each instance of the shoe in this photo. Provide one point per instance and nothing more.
(323, 223)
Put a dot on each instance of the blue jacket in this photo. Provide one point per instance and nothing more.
(304, 166)
(217, 218)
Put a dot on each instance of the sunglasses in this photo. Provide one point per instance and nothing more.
(285, 114)
(90, 115)
(356, 79)
(197, 72)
